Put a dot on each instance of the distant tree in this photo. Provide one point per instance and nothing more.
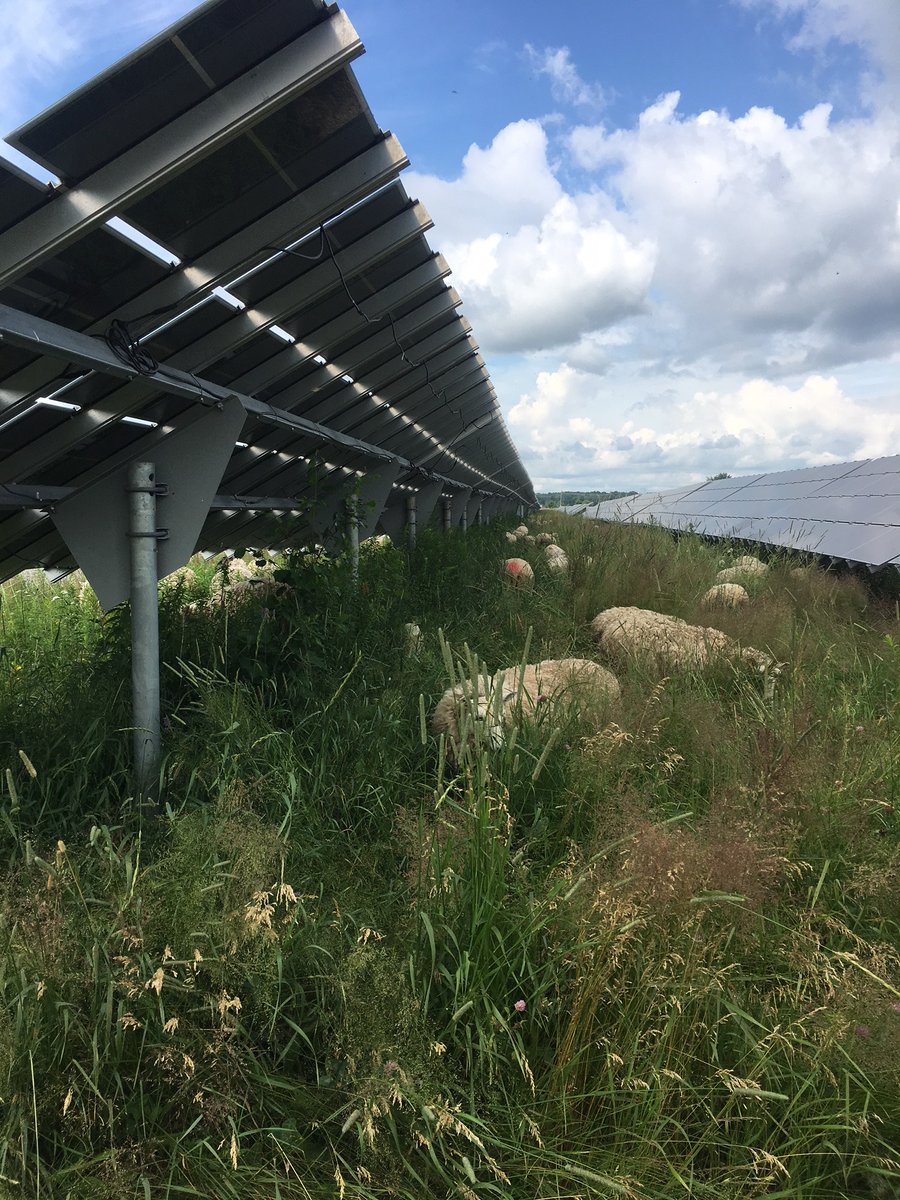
(557, 499)
(721, 475)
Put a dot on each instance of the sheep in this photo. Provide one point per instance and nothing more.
(521, 531)
(544, 539)
(552, 679)
(236, 594)
(511, 537)
(746, 567)
(725, 595)
(557, 559)
(666, 642)
(518, 572)
(494, 702)
(237, 568)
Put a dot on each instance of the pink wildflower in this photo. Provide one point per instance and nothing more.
(391, 1067)
(519, 1006)
(863, 1031)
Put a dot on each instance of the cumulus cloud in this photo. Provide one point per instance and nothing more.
(759, 426)
(544, 266)
(778, 244)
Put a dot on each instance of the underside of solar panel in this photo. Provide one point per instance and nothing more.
(226, 276)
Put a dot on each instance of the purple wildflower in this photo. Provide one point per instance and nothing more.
(863, 1031)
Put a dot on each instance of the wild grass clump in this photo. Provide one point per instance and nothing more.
(650, 950)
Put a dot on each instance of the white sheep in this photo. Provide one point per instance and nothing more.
(666, 642)
(518, 572)
(237, 568)
(746, 567)
(236, 594)
(521, 531)
(725, 595)
(557, 559)
(543, 687)
(544, 539)
(511, 537)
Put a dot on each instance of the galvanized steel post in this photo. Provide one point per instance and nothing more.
(411, 520)
(353, 536)
(143, 534)
(446, 514)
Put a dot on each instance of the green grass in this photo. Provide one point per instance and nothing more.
(298, 975)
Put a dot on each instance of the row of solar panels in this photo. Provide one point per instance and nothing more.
(844, 511)
(224, 219)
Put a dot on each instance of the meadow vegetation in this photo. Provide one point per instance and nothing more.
(653, 952)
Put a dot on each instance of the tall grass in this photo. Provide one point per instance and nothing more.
(653, 952)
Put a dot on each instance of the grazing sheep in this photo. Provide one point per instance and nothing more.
(546, 686)
(237, 568)
(472, 698)
(552, 679)
(544, 539)
(746, 567)
(236, 594)
(725, 595)
(557, 559)
(521, 531)
(511, 537)
(518, 572)
(666, 642)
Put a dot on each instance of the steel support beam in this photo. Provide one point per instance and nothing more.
(317, 203)
(221, 117)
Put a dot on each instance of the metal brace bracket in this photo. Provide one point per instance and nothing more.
(156, 489)
(161, 535)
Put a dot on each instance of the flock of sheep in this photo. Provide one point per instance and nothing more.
(538, 691)
(658, 641)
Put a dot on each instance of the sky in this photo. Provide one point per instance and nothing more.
(674, 224)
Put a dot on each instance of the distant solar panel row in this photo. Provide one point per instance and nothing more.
(269, 253)
(845, 511)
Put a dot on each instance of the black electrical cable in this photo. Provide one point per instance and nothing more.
(128, 349)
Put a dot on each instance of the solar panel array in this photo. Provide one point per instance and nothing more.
(225, 222)
(844, 511)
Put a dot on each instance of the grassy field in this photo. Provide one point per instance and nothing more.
(650, 953)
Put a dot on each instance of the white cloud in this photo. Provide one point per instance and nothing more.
(873, 25)
(544, 266)
(570, 426)
(778, 244)
(566, 84)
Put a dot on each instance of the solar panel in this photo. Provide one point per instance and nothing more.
(269, 253)
(843, 511)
